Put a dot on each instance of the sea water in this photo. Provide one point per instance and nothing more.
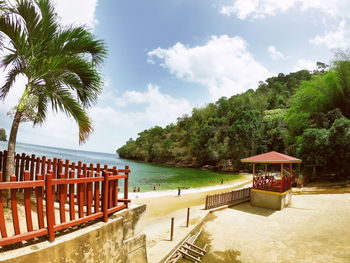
(143, 175)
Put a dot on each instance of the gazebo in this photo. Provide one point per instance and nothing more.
(272, 189)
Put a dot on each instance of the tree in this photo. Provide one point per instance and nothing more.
(3, 135)
(60, 64)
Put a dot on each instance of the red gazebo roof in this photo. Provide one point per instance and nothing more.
(271, 157)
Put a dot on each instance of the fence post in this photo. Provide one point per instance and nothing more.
(50, 212)
(126, 185)
(172, 229)
(188, 217)
(105, 196)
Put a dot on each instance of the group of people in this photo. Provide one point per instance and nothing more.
(136, 189)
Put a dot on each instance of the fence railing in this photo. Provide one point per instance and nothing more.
(41, 165)
(227, 198)
(270, 183)
(61, 197)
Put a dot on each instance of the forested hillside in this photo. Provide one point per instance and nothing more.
(305, 114)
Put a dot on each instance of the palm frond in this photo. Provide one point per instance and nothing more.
(62, 100)
(11, 27)
(10, 79)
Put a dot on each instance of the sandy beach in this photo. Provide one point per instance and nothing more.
(313, 229)
(162, 206)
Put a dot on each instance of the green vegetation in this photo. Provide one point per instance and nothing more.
(305, 114)
(3, 136)
(60, 64)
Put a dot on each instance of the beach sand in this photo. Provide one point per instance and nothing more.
(162, 206)
(315, 228)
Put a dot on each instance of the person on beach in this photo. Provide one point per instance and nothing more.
(154, 188)
(178, 191)
(138, 189)
(134, 189)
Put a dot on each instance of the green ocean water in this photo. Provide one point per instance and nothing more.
(143, 175)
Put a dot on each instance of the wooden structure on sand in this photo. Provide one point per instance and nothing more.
(188, 250)
(272, 189)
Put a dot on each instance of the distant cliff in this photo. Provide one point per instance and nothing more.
(3, 135)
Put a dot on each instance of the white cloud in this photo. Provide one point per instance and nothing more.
(340, 38)
(79, 12)
(305, 64)
(223, 65)
(161, 109)
(262, 8)
(275, 54)
(112, 126)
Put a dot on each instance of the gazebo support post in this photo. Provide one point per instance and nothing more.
(291, 170)
(253, 169)
(265, 169)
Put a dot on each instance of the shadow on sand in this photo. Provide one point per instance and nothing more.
(247, 208)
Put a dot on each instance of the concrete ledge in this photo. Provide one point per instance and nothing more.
(269, 199)
(114, 241)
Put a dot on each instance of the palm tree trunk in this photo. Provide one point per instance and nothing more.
(10, 160)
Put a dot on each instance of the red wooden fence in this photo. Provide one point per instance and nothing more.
(227, 198)
(270, 183)
(61, 194)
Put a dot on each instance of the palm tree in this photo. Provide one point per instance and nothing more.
(60, 65)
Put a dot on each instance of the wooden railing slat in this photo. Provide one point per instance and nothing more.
(71, 197)
(2, 216)
(14, 209)
(39, 192)
(27, 203)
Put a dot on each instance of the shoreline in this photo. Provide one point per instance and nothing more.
(191, 190)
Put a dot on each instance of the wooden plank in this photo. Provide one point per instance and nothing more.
(97, 194)
(193, 250)
(39, 192)
(114, 190)
(14, 209)
(71, 196)
(43, 166)
(80, 198)
(50, 209)
(17, 165)
(193, 245)
(24, 184)
(37, 166)
(105, 196)
(21, 171)
(62, 199)
(27, 204)
(89, 195)
(21, 237)
(32, 167)
(2, 215)
(185, 253)
(126, 185)
(110, 191)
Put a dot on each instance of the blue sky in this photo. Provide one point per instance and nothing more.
(166, 57)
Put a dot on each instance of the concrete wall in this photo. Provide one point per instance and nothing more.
(271, 200)
(118, 240)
